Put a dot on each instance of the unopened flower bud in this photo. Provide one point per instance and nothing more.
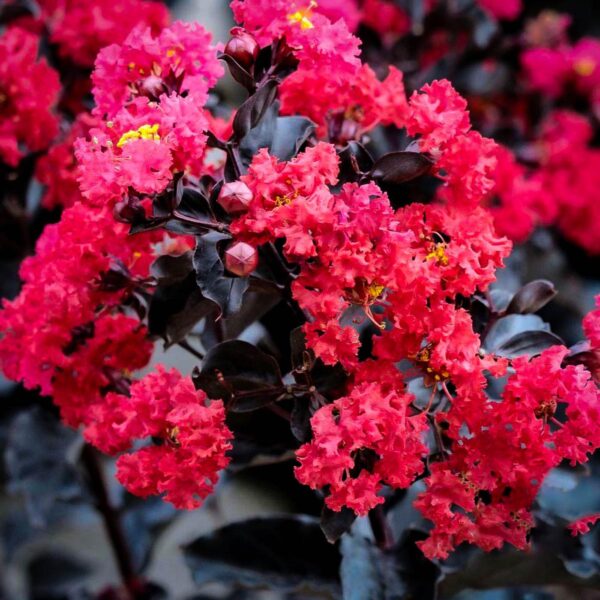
(235, 197)
(242, 47)
(241, 259)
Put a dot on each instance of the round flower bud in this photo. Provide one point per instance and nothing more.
(241, 259)
(235, 197)
(242, 47)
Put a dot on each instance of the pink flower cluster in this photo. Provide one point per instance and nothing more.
(81, 29)
(555, 66)
(193, 437)
(318, 43)
(374, 418)
(57, 169)
(65, 333)
(29, 90)
(363, 269)
(558, 192)
(502, 451)
(403, 269)
(150, 92)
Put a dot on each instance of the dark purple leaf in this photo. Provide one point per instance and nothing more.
(238, 72)
(398, 167)
(283, 553)
(507, 327)
(354, 160)
(225, 291)
(240, 371)
(169, 269)
(282, 136)
(252, 110)
(175, 309)
(531, 343)
(531, 297)
(335, 524)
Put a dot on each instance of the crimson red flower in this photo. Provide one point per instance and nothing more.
(354, 105)
(318, 42)
(363, 441)
(82, 29)
(49, 331)
(192, 432)
(503, 450)
(57, 169)
(29, 90)
(179, 59)
(583, 524)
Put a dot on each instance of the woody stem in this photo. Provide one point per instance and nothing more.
(382, 531)
(112, 521)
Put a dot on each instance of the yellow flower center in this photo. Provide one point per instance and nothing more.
(145, 132)
(303, 15)
(438, 253)
(375, 290)
(422, 357)
(585, 67)
(285, 199)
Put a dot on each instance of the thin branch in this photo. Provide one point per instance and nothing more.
(112, 521)
(381, 528)
(189, 348)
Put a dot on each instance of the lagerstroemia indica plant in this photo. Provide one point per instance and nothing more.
(180, 222)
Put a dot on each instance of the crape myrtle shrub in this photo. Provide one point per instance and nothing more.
(376, 217)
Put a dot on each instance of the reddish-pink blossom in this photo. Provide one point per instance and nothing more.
(29, 90)
(583, 524)
(362, 442)
(57, 169)
(179, 59)
(194, 438)
(502, 9)
(502, 451)
(48, 331)
(82, 29)
(141, 148)
(346, 110)
(318, 43)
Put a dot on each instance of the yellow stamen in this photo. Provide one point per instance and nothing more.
(172, 434)
(145, 132)
(438, 254)
(422, 357)
(584, 67)
(303, 15)
(375, 290)
(285, 200)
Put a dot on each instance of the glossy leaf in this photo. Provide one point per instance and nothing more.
(212, 280)
(282, 553)
(235, 367)
(398, 167)
(252, 110)
(531, 297)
